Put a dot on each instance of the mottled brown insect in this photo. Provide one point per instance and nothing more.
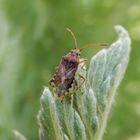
(66, 71)
(64, 77)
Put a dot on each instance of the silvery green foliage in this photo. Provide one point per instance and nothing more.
(84, 116)
(18, 136)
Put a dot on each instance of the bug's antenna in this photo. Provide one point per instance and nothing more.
(95, 45)
(73, 36)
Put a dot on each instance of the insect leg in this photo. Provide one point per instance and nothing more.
(84, 62)
(78, 87)
(61, 99)
(75, 84)
(51, 82)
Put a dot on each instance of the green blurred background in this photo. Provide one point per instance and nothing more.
(32, 41)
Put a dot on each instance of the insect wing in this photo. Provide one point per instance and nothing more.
(71, 73)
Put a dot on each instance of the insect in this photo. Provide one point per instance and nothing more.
(66, 71)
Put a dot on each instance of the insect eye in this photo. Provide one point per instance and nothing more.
(77, 54)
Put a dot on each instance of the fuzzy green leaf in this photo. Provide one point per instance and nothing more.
(84, 116)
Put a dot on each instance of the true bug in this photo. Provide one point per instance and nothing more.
(65, 72)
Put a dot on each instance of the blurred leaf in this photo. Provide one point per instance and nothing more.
(18, 135)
